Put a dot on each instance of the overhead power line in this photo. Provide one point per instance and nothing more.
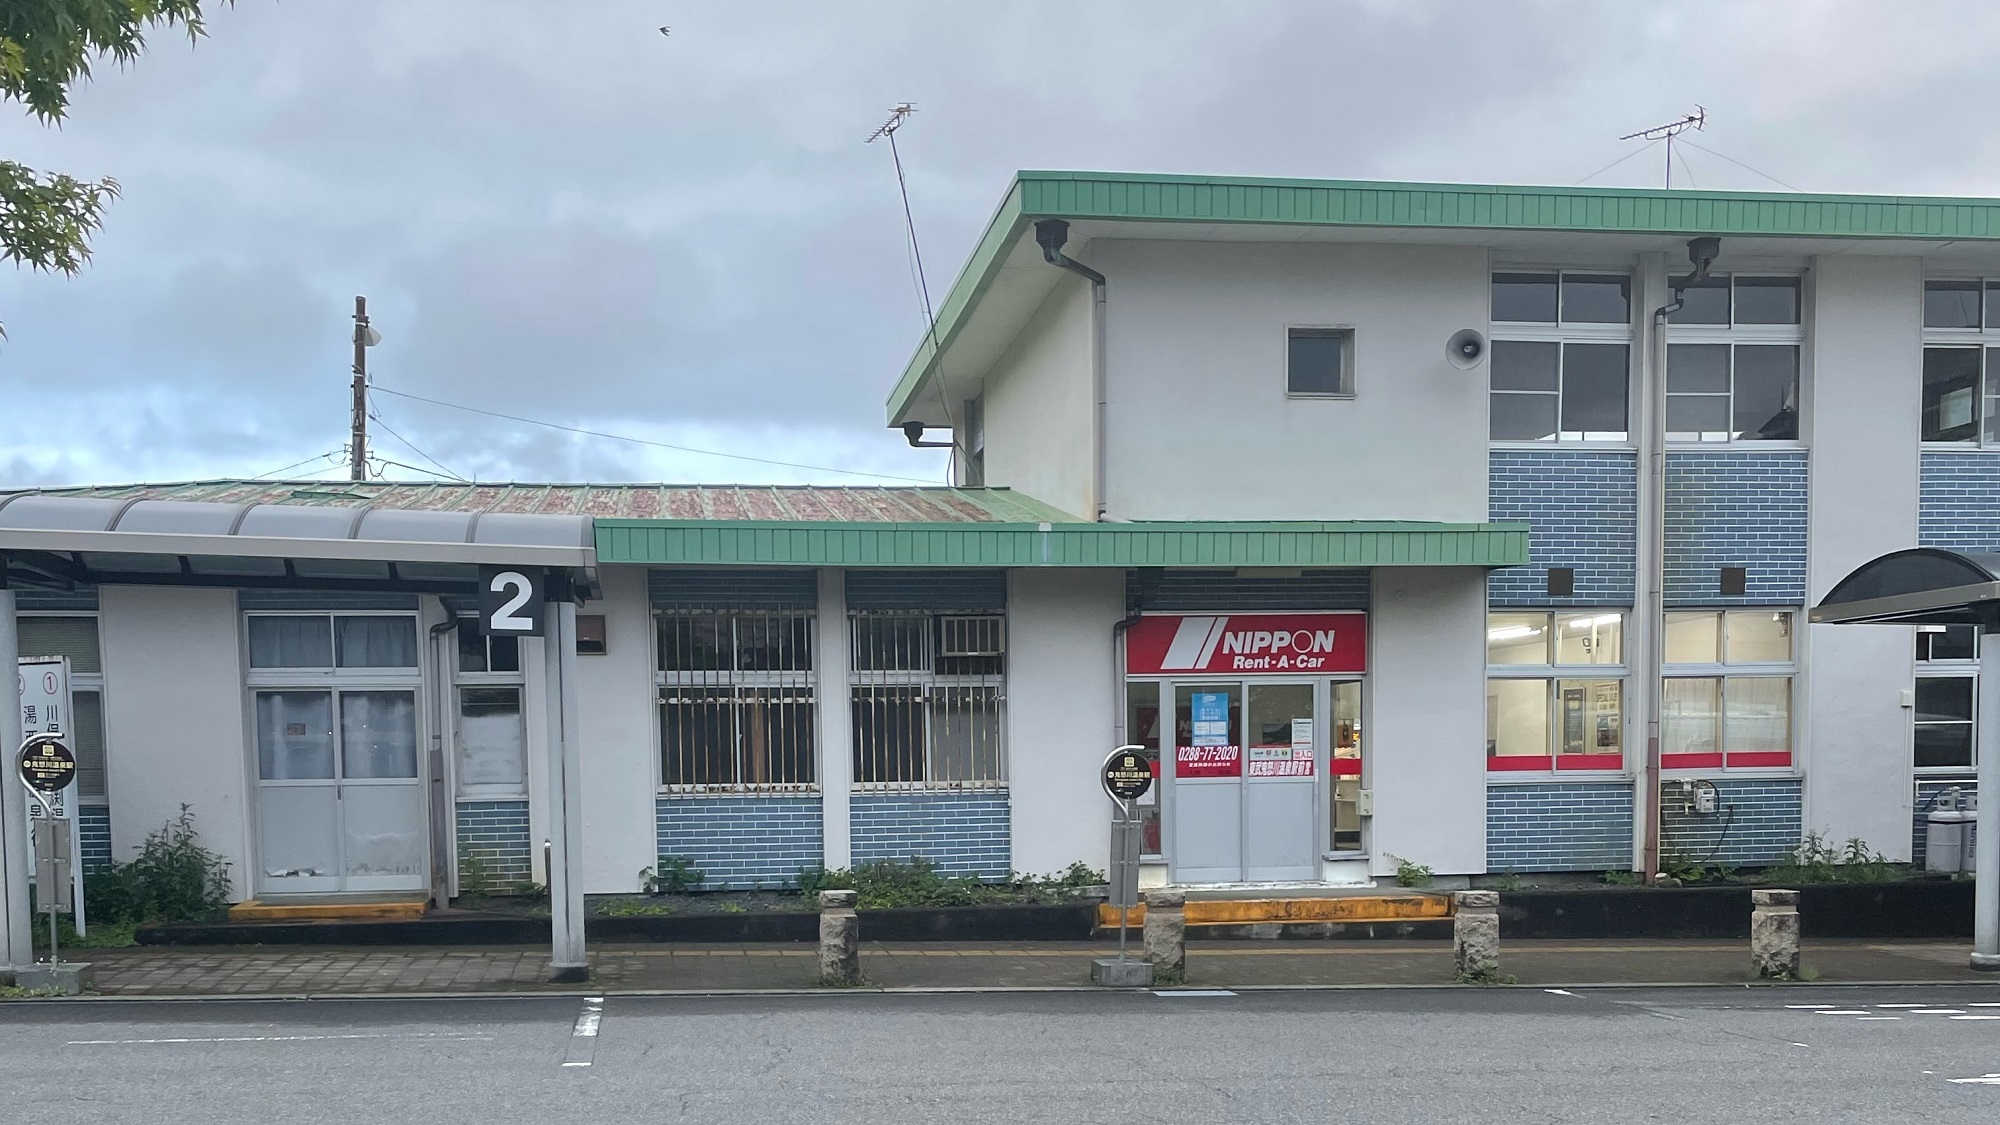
(329, 455)
(390, 430)
(644, 441)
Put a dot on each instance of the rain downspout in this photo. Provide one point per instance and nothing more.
(1653, 453)
(440, 797)
(1051, 235)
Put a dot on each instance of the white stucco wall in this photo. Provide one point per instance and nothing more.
(615, 694)
(1426, 719)
(1199, 426)
(1864, 399)
(1060, 708)
(1038, 404)
(174, 711)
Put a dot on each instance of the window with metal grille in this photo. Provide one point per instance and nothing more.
(927, 693)
(736, 701)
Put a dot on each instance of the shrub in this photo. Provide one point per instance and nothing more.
(172, 879)
(1816, 861)
(676, 874)
(888, 883)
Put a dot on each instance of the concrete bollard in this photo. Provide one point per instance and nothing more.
(1774, 934)
(1475, 934)
(839, 939)
(1165, 935)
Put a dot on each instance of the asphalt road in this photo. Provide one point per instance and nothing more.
(1681, 1055)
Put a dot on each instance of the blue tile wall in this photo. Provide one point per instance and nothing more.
(1582, 509)
(1956, 501)
(1743, 509)
(93, 826)
(1559, 826)
(742, 842)
(1926, 790)
(1766, 826)
(964, 832)
(496, 832)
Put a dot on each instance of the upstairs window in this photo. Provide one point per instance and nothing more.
(1733, 359)
(1561, 362)
(1961, 369)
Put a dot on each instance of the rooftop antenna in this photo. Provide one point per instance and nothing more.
(914, 431)
(1696, 120)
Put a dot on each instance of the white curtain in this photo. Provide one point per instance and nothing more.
(290, 642)
(378, 734)
(294, 735)
(377, 642)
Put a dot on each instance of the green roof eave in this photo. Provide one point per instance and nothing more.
(1133, 197)
(1284, 544)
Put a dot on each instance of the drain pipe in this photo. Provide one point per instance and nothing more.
(1051, 235)
(442, 868)
(1701, 253)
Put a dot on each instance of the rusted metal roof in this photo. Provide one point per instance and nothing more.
(763, 503)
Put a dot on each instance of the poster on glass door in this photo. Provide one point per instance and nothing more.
(1211, 750)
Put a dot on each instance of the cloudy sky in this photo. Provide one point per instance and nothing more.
(558, 213)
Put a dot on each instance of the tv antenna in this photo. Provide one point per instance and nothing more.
(1696, 120)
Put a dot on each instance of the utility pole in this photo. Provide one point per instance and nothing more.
(358, 437)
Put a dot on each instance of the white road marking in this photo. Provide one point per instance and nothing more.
(1865, 1019)
(1899, 1005)
(583, 1037)
(1984, 1004)
(1808, 1006)
(1973, 1017)
(268, 1039)
(1558, 992)
(1937, 1011)
(1982, 1080)
(1175, 992)
(1840, 1012)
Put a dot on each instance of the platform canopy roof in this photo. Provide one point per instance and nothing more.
(1921, 586)
(69, 540)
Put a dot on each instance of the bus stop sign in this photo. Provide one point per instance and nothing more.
(46, 765)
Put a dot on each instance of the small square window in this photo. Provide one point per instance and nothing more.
(1767, 300)
(1320, 361)
(1702, 302)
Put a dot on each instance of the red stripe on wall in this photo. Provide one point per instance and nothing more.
(1590, 761)
(1509, 763)
(1762, 758)
(1344, 767)
(1690, 761)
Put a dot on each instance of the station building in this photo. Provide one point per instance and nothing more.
(1469, 527)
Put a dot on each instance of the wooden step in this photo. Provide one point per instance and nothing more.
(252, 910)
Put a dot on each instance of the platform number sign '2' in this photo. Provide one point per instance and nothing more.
(510, 601)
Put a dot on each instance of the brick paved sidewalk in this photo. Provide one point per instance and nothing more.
(325, 970)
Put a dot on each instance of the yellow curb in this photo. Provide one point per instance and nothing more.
(1345, 908)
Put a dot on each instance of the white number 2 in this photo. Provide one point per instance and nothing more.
(508, 618)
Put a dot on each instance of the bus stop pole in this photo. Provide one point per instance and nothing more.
(17, 942)
(1986, 841)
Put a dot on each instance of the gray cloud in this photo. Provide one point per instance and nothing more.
(684, 239)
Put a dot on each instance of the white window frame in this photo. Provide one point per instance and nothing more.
(927, 681)
(1959, 668)
(1565, 332)
(1724, 670)
(81, 683)
(1987, 401)
(1552, 673)
(737, 680)
(1342, 332)
(1782, 335)
(460, 680)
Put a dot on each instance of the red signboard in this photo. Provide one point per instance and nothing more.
(1258, 644)
(1208, 761)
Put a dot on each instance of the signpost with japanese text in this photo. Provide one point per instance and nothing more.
(46, 710)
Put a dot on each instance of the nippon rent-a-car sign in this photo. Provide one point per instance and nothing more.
(1248, 643)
